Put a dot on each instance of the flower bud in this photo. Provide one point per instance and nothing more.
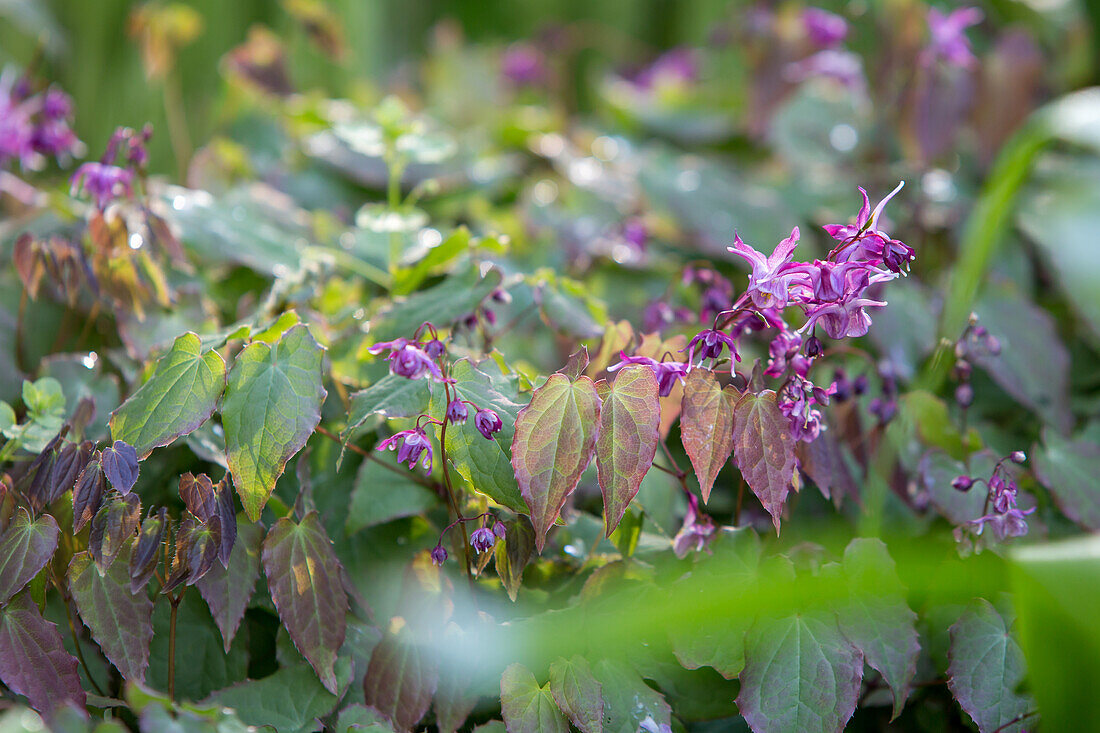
(487, 422)
(964, 395)
(457, 412)
(962, 369)
(962, 483)
(439, 555)
(483, 539)
(435, 348)
(814, 347)
(1018, 457)
(499, 530)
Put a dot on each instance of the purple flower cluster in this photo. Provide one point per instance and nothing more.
(105, 181)
(947, 38)
(410, 445)
(1001, 513)
(412, 359)
(667, 372)
(823, 28)
(695, 534)
(34, 127)
(677, 67)
(826, 31)
(523, 64)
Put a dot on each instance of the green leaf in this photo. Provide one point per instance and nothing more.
(512, 555)
(33, 660)
(359, 717)
(986, 667)
(554, 442)
(1069, 470)
(486, 465)
(406, 279)
(628, 701)
(180, 396)
(876, 617)
(935, 425)
(453, 298)
(630, 417)
(291, 700)
(272, 405)
(380, 495)
(764, 450)
(390, 396)
(228, 590)
(401, 679)
(526, 707)
(801, 675)
(45, 403)
(706, 425)
(304, 577)
(121, 621)
(25, 548)
(577, 692)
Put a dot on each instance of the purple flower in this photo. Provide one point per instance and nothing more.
(667, 372)
(768, 285)
(824, 28)
(635, 233)
(710, 344)
(499, 529)
(844, 67)
(435, 348)
(862, 241)
(56, 105)
(32, 126)
(487, 422)
(439, 555)
(795, 401)
(1002, 493)
(483, 539)
(408, 359)
(782, 350)
(457, 412)
(678, 67)
(103, 182)
(845, 318)
(523, 64)
(962, 483)
(410, 445)
(1012, 523)
(696, 532)
(947, 38)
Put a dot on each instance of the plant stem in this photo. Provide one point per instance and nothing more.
(175, 603)
(177, 123)
(371, 456)
(76, 638)
(20, 354)
(450, 489)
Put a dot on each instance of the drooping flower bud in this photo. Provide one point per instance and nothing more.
(499, 530)
(439, 555)
(487, 422)
(1018, 457)
(814, 347)
(483, 539)
(457, 412)
(962, 483)
(964, 395)
(435, 348)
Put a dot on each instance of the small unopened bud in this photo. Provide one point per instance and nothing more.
(859, 386)
(964, 395)
(499, 530)
(814, 347)
(973, 320)
(962, 483)
(1018, 457)
(439, 555)
(993, 345)
(434, 348)
(962, 369)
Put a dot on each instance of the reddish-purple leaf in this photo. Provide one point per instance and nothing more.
(88, 494)
(33, 660)
(143, 560)
(577, 363)
(71, 460)
(121, 621)
(197, 493)
(120, 464)
(554, 442)
(800, 674)
(577, 692)
(876, 617)
(987, 665)
(527, 707)
(113, 524)
(630, 416)
(227, 590)
(401, 678)
(227, 517)
(304, 577)
(25, 548)
(1068, 468)
(514, 552)
(706, 425)
(764, 450)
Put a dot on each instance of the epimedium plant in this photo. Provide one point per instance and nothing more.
(333, 424)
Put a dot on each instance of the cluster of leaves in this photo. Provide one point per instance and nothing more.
(201, 382)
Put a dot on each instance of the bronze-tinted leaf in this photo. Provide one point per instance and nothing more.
(554, 442)
(401, 678)
(513, 554)
(27, 255)
(577, 692)
(305, 581)
(706, 425)
(88, 494)
(630, 418)
(33, 660)
(25, 548)
(198, 496)
(114, 523)
(71, 460)
(147, 550)
(228, 590)
(120, 465)
(764, 450)
(227, 516)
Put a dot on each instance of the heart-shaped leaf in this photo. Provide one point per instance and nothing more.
(629, 703)
(305, 581)
(25, 548)
(88, 494)
(630, 416)
(197, 493)
(114, 523)
(120, 465)
(401, 678)
(577, 692)
(228, 590)
(179, 397)
(120, 620)
(554, 442)
(764, 450)
(33, 660)
(1068, 468)
(706, 425)
(147, 549)
(272, 405)
(527, 707)
(513, 554)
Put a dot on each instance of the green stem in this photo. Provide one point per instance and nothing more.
(450, 489)
(177, 123)
(175, 603)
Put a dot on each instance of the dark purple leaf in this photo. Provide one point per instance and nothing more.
(876, 617)
(227, 517)
(527, 707)
(630, 416)
(33, 660)
(36, 481)
(305, 581)
(706, 426)
(554, 442)
(800, 674)
(197, 493)
(987, 665)
(401, 678)
(147, 550)
(70, 462)
(114, 523)
(577, 692)
(764, 450)
(25, 548)
(120, 465)
(88, 494)
(228, 590)
(120, 620)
